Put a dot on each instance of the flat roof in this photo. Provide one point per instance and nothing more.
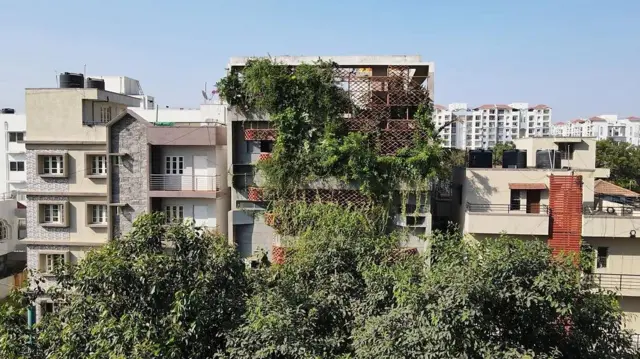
(346, 61)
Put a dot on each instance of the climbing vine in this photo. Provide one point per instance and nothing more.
(309, 111)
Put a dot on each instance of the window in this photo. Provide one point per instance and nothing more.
(53, 261)
(514, 205)
(16, 166)
(98, 165)
(105, 114)
(174, 213)
(602, 255)
(17, 137)
(174, 165)
(52, 214)
(47, 308)
(115, 160)
(52, 165)
(266, 146)
(98, 214)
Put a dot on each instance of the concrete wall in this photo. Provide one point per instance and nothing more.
(584, 155)
(57, 114)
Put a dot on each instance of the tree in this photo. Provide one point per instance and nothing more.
(624, 161)
(158, 292)
(499, 298)
(498, 151)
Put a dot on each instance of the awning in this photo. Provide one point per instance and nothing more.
(526, 186)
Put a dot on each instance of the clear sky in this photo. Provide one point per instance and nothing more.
(581, 57)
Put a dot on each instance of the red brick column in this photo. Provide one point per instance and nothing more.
(565, 203)
(278, 254)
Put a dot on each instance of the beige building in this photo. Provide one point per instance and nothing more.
(67, 172)
(93, 166)
(519, 202)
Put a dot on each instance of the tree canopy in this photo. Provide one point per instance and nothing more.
(346, 290)
(498, 151)
(624, 161)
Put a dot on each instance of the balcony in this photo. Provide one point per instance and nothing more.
(623, 284)
(184, 186)
(610, 221)
(531, 219)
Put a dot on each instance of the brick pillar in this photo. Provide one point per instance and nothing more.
(565, 203)
(277, 254)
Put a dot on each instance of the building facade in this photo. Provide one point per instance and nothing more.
(13, 154)
(620, 129)
(567, 206)
(93, 166)
(251, 139)
(487, 125)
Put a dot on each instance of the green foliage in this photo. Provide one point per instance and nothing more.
(501, 298)
(307, 108)
(159, 292)
(345, 291)
(498, 151)
(624, 161)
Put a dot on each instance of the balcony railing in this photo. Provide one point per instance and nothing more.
(612, 210)
(172, 182)
(616, 281)
(507, 208)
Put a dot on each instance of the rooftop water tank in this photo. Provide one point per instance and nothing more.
(480, 159)
(514, 159)
(95, 83)
(548, 159)
(70, 80)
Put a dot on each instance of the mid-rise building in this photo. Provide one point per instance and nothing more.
(13, 154)
(487, 125)
(620, 129)
(93, 166)
(251, 140)
(560, 198)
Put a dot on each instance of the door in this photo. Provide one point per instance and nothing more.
(201, 180)
(200, 215)
(533, 201)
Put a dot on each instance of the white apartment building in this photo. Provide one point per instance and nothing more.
(13, 178)
(12, 262)
(621, 129)
(487, 125)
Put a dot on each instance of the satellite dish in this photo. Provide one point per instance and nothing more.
(204, 94)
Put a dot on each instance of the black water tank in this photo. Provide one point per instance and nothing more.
(70, 80)
(7, 111)
(514, 159)
(480, 159)
(95, 83)
(548, 159)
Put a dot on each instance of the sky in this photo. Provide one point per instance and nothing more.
(581, 57)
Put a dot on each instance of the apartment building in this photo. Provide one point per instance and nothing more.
(251, 139)
(567, 205)
(490, 124)
(176, 169)
(620, 129)
(13, 154)
(93, 166)
(12, 256)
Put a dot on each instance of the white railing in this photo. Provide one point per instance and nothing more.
(184, 183)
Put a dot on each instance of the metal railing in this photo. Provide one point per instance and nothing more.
(611, 210)
(508, 208)
(159, 182)
(616, 281)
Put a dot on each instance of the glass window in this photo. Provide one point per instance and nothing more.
(52, 213)
(98, 214)
(515, 200)
(174, 165)
(53, 261)
(174, 213)
(602, 255)
(16, 166)
(52, 165)
(99, 165)
(17, 137)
